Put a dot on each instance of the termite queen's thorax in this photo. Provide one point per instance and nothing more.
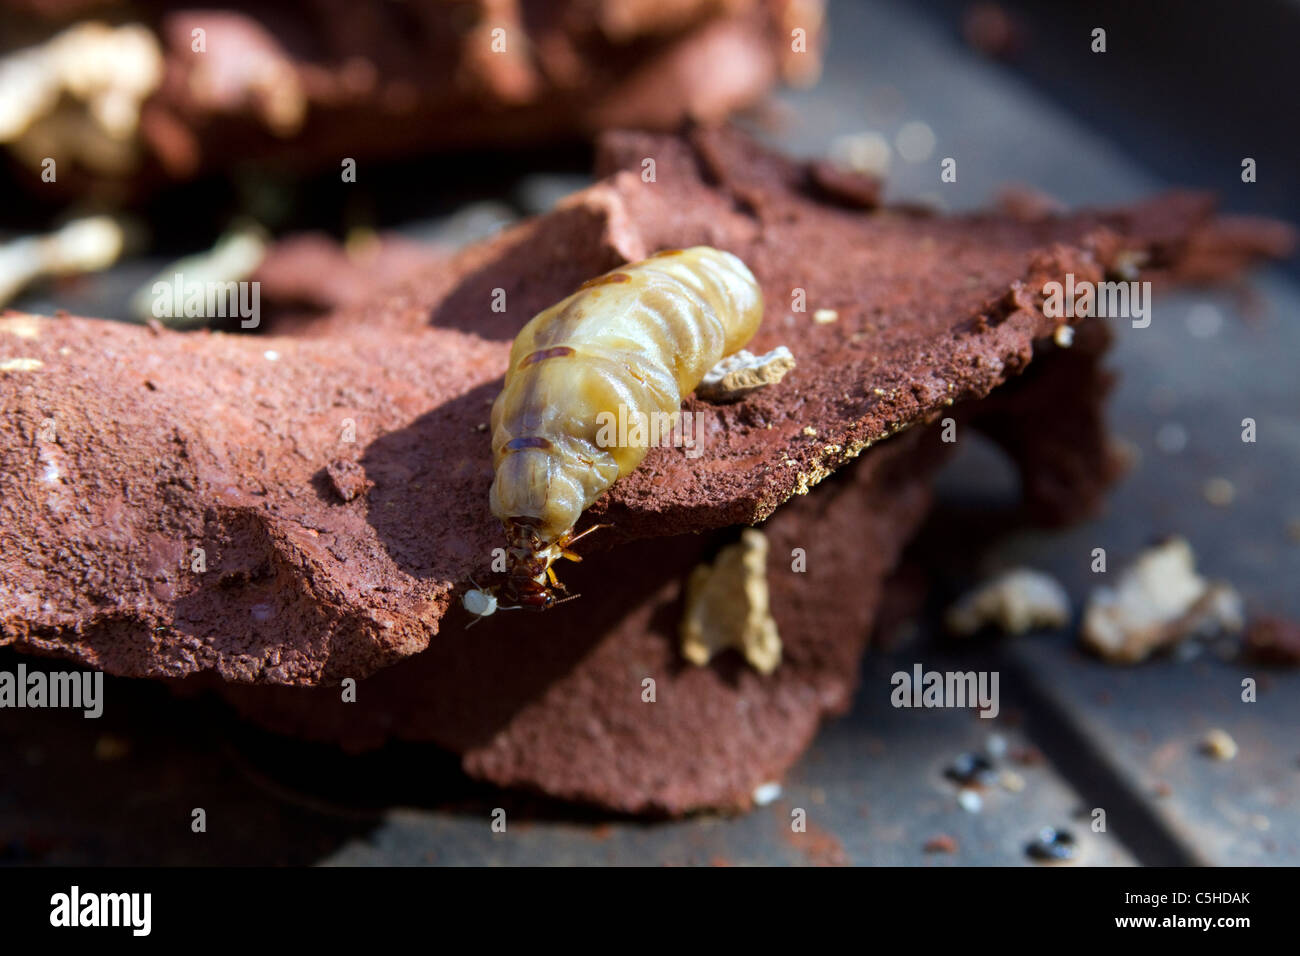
(631, 343)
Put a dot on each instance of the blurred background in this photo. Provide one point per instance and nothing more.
(235, 158)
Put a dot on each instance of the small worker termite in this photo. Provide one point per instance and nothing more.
(482, 602)
(637, 339)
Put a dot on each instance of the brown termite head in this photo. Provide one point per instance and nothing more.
(634, 341)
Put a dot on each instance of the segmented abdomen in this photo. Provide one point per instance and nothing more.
(640, 337)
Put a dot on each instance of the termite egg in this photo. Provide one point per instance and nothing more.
(479, 603)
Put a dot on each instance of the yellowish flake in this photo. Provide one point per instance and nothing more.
(24, 326)
(20, 365)
(727, 607)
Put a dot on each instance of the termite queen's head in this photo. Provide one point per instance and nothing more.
(627, 345)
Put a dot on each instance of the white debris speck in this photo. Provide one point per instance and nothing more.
(915, 141)
(970, 801)
(1016, 601)
(1219, 745)
(271, 355)
(1204, 321)
(79, 94)
(825, 316)
(1219, 492)
(23, 326)
(82, 245)
(1128, 264)
(1011, 781)
(1171, 438)
(1158, 602)
(219, 275)
(766, 793)
(20, 365)
(996, 746)
(1064, 336)
(864, 152)
(739, 374)
(86, 245)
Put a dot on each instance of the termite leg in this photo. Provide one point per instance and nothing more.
(568, 540)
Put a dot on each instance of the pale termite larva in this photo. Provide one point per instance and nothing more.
(480, 603)
(638, 339)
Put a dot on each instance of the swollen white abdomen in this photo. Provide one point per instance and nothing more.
(630, 343)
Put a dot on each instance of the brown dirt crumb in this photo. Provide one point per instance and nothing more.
(348, 479)
(1028, 756)
(819, 846)
(943, 843)
(111, 747)
(848, 187)
(1273, 640)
